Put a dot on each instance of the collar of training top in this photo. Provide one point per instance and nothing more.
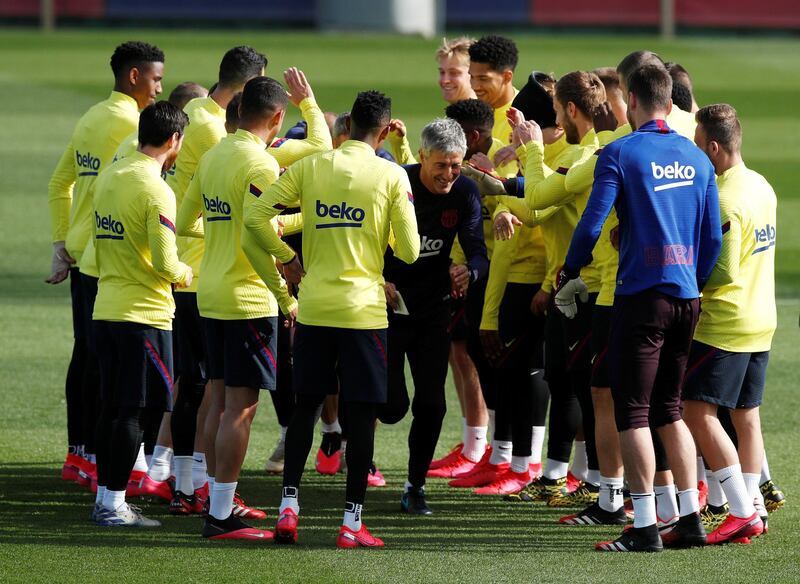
(659, 126)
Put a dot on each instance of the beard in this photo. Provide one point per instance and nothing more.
(571, 132)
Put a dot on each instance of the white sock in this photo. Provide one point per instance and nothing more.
(644, 509)
(519, 464)
(537, 443)
(716, 496)
(199, 469)
(101, 491)
(765, 476)
(555, 469)
(610, 493)
(580, 466)
(474, 442)
(464, 436)
(688, 502)
(593, 477)
(501, 452)
(701, 470)
(285, 428)
(158, 468)
(112, 500)
(211, 482)
(326, 428)
(141, 461)
(751, 480)
(184, 481)
(222, 501)
(666, 502)
(352, 515)
(490, 432)
(731, 481)
(289, 500)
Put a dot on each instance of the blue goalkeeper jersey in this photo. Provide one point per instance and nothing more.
(665, 194)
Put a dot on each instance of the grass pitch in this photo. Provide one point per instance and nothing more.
(47, 82)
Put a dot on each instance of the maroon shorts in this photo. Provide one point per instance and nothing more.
(648, 348)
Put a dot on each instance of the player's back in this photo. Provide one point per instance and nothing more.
(348, 198)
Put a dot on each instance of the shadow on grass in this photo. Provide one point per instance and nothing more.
(37, 507)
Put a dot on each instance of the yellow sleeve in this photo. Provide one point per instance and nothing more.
(318, 137)
(161, 236)
(520, 209)
(399, 147)
(292, 223)
(580, 176)
(457, 255)
(284, 192)
(402, 219)
(499, 267)
(727, 267)
(543, 190)
(59, 194)
(190, 215)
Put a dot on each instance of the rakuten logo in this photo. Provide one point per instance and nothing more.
(351, 216)
(684, 175)
(108, 227)
(217, 205)
(430, 247)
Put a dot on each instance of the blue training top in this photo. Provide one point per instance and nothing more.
(665, 193)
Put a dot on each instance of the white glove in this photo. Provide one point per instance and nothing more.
(565, 297)
(488, 185)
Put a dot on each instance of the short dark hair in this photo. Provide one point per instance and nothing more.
(652, 87)
(472, 114)
(679, 73)
(239, 65)
(681, 96)
(186, 92)
(721, 124)
(370, 110)
(262, 97)
(232, 111)
(159, 121)
(608, 76)
(582, 88)
(636, 60)
(496, 51)
(134, 54)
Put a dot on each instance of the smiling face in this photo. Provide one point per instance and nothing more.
(146, 83)
(454, 79)
(439, 170)
(489, 85)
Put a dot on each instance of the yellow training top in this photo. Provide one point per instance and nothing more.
(350, 199)
(90, 150)
(501, 130)
(230, 177)
(134, 227)
(738, 304)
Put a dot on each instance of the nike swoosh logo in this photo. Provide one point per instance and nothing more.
(723, 480)
(256, 535)
(572, 346)
(508, 344)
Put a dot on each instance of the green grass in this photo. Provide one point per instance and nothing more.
(47, 82)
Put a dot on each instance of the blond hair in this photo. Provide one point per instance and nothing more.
(458, 47)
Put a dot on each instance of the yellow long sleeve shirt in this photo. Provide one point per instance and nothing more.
(90, 150)
(318, 137)
(738, 310)
(134, 231)
(229, 178)
(350, 200)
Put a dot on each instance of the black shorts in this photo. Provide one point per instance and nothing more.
(521, 332)
(578, 335)
(648, 349)
(601, 327)
(352, 362)
(135, 363)
(458, 328)
(191, 354)
(242, 352)
(730, 380)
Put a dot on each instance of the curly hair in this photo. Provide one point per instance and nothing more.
(371, 109)
(134, 54)
(472, 113)
(498, 52)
